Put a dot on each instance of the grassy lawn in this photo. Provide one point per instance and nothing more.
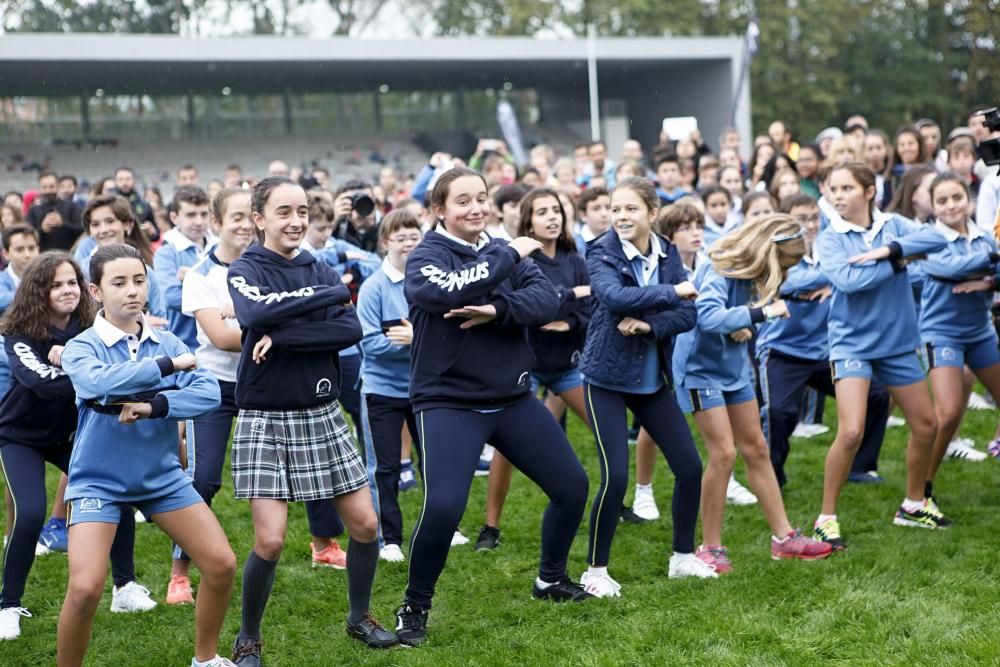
(897, 596)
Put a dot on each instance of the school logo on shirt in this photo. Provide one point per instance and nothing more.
(575, 358)
(522, 381)
(28, 359)
(852, 364)
(949, 353)
(252, 292)
(451, 280)
(323, 388)
(89, 506)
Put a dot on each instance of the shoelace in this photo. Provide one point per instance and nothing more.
(20, 611)
(247, 649)
(830, 528)
(374, 623)
(133, 587)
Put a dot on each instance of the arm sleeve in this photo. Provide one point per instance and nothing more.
(338, 331)
(439, 289)
(532, 302)
(166, 263)
(608, 289)
(35, 373)
(681, 317)
(804, 278)
(713, 314)
(197, 393)
(919, 239)
(950, 264)
(374, 344)
(850, 277)
(259, 308)
(94, 377)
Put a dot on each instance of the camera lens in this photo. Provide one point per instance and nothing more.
(363, 204)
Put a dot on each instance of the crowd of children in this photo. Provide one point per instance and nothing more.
(454, 319)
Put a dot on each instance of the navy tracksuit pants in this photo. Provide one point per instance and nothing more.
(783, 380)
(662, 418)
(382, 419)
(450, 442)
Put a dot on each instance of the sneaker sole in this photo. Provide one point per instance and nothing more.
(371, 645)
(178, 603)
(329, 566)
(907, 523)
(800, 556)
(131, 611)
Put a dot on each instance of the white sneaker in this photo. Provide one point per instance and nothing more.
(962, 448)
(644, 505)
(809, 430)
(979, 402)
(689, 565)
(131, 598)
(458, 539)
(217, 661)
(893, 421)
(391, 553)
(40, 549)
(600, 585)
(140, 517)
(737, 494)
(10, 622)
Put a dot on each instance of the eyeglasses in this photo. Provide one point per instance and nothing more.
(405, 239)
(806, 219)
(784, 238)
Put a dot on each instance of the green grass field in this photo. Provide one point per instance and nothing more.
(897, 596)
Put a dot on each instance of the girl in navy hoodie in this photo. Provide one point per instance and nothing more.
(472, 299)
(558, 344)
(37, 420)
(291, 442)
(642, 300)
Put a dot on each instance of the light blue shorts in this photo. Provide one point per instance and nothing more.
(696, 400)
(556, 381)
(978, 354)
(896, 371)
(98, 510)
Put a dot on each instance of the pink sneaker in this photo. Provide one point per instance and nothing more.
(717, 556)
(994, 448)
(332, 556)
(797, 545)
(179, 590)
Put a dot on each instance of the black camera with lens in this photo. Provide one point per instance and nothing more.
(362, 204)
(989, 150)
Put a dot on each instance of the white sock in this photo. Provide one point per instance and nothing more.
(405, 462)
(644, 488)
(824, 517)
(603, 571)
(195, 663)
(912, 505)
(541, 584)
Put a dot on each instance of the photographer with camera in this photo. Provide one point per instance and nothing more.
(57, 220)
(986, 126)
(357, 220)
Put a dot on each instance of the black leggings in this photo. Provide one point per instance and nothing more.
(450, 442)
(382, 419)
(660, 415)
(24, 468)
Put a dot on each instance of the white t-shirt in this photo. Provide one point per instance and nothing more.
(205, 287)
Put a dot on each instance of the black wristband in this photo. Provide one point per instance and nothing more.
(160, 405)
(166, 365)
(757, 315)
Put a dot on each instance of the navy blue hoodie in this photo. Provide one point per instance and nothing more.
(561, 350)
(487, 366)
(39, 408)
(299, 303)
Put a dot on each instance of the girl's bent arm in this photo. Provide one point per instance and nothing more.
(439, 289)
(338, 331)
(532, 302)
(94, 377)
(45, 380)
(619, 299)
(713, 314)
(263, 309)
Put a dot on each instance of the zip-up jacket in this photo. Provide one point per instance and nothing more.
(487, 366)
(609, 358)
(298, 302)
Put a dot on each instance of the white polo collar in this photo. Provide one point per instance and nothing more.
(391, 272)
(951, 235)
(110, 334)
(655, 251)
(484, 238)
(16, 279)
(181, 242)
(842, 226)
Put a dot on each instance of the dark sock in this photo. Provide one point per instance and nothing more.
(258, 579)
(362, 558)
(928, 489)
(123, 549)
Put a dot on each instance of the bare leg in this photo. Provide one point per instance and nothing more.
(645, 458)
(717, 433)
(59, 502)
(745, 420)
(89, 549)
(915, 402)
(196, 530)
(852, 408)
(950, 399)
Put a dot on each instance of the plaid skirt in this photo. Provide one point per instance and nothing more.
(295, 455)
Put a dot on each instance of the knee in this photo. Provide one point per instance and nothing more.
(84, 593)
(366, 529)
(691, 471)
(723, 458)
(220, 565)
(924, 426)
(575, 488)
(617, 482)
(755, 451)
(850, 435)
(269, 545)
(30, 517)
(443, 509)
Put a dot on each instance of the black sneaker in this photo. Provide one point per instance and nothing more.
(489, 539)
(369, 631)
(411, 625)
(628, 516)
(246, 652)
(561, 591)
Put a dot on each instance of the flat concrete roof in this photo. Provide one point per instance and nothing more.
(40, 64)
